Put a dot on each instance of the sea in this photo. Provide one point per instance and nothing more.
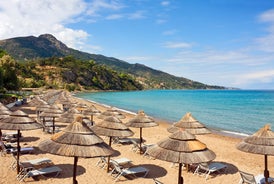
(235, 112)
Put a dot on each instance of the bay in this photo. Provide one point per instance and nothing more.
(237, 111)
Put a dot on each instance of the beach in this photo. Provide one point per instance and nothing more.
(223, 146)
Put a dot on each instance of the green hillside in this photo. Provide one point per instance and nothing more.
(45, 46)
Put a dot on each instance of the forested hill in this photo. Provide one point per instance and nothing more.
(45, 46)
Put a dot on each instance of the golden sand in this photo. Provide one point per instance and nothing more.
(88, 172)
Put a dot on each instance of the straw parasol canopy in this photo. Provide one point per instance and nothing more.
(40, 107)
(4, 113)
(76, 140)
(36, 102)
(261, 142)
(90, 111)
(182, 147)
(111, 112)
(52, 112)
(112, 127)
(68, 116)
(141, 120)
(81, 106)
(189, 123)
(18, 120)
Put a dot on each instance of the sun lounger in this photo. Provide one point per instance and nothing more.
(102, 163)
(136, 147)
(34, 162)
(251, 179)
(118, 140)
(207, 168)
(41, 172)
(4, 149)
(133, 171)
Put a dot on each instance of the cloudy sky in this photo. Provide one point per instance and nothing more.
(218, 42)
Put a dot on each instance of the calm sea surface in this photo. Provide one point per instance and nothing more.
(238, 111)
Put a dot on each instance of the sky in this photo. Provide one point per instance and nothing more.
(217, 42)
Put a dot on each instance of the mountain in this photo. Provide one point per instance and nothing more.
(46, 45)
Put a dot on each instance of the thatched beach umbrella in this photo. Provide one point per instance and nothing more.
(111, 112)
(189, 123)
(76, 140)
(90, 111)
(36, 101)
(64, 100)
(68, 116)
(261, 142)
(41, 107)
(18, 120)
(182, 147)
(52, 112)
(141, 120)
(112, 127)
(4, 113)
(81, 106)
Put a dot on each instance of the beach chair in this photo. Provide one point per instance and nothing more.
(251, 179)
(118, 140)
(157, 181)
(6, 150)
(136, 147)
(209, 167)
(132, 171)
(41, 172)
(34, 162)
(102, 162)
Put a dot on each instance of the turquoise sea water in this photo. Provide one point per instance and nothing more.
(238, 111)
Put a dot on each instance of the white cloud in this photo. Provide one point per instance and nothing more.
(32, 17)
(165, 3)
(170, 32)
(97, 5)
(114, 17)
(266, 43)
(267, 16)
(161, 21)
(264, 76)
(177, 45)
(137, 15)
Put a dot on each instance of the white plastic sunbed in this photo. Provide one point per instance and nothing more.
(42, 171)
(209, 168)
(127, 171)
(33, 162)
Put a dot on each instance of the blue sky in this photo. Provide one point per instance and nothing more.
(217, 42)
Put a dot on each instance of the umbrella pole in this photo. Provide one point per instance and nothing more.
(53, 125)
(266, 172)
(141, 140)
(180, 178)
(109, 156)
(75, 170)
(91, 119)
(18, 151)
(44, 122)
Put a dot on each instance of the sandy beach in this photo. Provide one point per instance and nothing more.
(88, 172)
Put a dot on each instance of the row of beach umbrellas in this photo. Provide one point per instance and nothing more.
(79, 140)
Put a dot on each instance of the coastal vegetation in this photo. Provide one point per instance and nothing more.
(62, 73)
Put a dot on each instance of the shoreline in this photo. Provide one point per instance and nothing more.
(169, 123)
(88, 171)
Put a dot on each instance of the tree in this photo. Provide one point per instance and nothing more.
(10, 80)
